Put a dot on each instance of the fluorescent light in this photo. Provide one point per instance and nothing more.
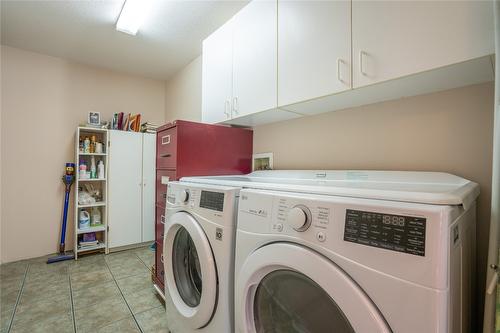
(132, 15)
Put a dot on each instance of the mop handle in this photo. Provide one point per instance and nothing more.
(65, 217)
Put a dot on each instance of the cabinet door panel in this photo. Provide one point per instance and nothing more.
(217, 75)
(314, 49)
(124, 188)
(255, 58)
(392, 39)
(148, 186)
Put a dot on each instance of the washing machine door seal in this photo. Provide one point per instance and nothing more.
(285, 287)
(190, 269)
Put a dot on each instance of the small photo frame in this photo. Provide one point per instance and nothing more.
(94, 118)
(262, 161)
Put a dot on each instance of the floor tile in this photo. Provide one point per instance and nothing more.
(147, 256)
(53, 324)
(134, 283)
(43, 271)
(126, 325)
(89, 279)
(86, 297)
(29, 312)
(8, 299)
(101, 314)
(119, 258)
(11, 284)
(39, 289)
(143, 300)
(134, 267)
(153, 321)
(13, 269)
(5, 318)
(87, 266)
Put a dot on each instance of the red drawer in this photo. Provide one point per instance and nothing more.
(161, 189)
(160, 271)
(166, 148)
(160, 223)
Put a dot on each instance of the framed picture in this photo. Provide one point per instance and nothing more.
(94, 118)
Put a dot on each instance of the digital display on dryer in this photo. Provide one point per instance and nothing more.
(391, 232)
(212, 200)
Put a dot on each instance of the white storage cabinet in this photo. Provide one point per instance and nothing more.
(131, 187)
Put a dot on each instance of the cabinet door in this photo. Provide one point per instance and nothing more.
(392, 39)
(314, 49)
(148, 186)
(124, 188)
(217, 75)
(255, 58)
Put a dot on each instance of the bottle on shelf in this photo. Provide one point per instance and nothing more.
(92, 168)
(86, 145)
(95, 217)
(100, 170)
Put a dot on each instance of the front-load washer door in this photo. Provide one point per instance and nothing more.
(190, 272)
(288, 288)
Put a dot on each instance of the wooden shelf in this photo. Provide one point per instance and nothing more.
(91, 248)
(98, 228)
(97, 204)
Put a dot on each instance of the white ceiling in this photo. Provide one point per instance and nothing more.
(84, 31)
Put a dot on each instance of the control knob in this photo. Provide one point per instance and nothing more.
(184, 196)
(299, 218)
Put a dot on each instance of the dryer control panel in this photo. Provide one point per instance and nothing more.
(386, 231)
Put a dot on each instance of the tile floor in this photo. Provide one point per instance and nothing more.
(97, 293)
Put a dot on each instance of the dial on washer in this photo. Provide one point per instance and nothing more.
(299, 218)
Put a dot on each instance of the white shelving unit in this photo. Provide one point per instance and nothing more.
(101, 230)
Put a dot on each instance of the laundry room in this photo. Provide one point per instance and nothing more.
(249, 166)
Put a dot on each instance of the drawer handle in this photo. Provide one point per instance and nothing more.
(161, 259)
(162, 219)
(164, 195)
(165, 140)
(166, 155)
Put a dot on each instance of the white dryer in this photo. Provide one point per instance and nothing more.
(198, 254)
(374, 254)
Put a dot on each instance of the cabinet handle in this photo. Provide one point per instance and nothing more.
(166, 155)
(161, 258)
(235, 105)
(162, 219)
(339, 77)
(227, 106)
(361, 67)
(165, 140)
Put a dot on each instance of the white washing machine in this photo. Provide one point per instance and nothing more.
(378, 253)
(198, 254)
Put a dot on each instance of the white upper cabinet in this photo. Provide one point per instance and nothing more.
(255, 58)
(217, 75)
(314, 49)
(392, 39)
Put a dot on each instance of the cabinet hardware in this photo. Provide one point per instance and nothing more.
(165, 140)
(235, 105)
(339, 76)
(362, 54)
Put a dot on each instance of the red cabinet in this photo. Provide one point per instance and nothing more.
(186, 148)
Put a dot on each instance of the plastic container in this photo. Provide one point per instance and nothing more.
(84, 220)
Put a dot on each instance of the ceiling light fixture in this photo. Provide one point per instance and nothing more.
(132, 15)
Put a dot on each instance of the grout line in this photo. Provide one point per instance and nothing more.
(18, 298)
(123, 296)
(72, 300)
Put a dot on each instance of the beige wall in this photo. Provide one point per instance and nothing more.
(43, 101)
(183, 93)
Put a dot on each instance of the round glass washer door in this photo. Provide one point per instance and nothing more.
(190, 272)
(283, 287)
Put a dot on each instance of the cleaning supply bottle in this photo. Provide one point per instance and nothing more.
(100, 170)
(95, 216)
(92, 168)
(84, 220)
(86, 145)
(83, 170)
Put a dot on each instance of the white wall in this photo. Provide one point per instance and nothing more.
(43, 101)
(183, 93)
